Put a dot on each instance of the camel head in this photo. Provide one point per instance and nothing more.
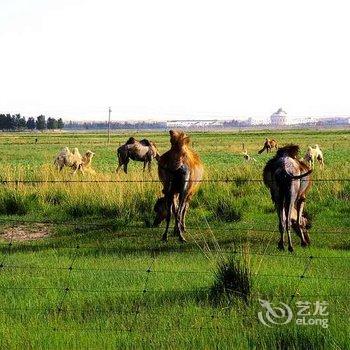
(178, 138)
(89, 154)
(305, 221)
(160, 210)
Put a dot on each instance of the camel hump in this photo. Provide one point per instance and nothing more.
(145, 142)
(290, 150)
(130, 141)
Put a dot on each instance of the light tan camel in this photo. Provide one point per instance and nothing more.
(313, 154)
(143, 151)
(268, 145)
(288, 179)
(180, 170)
(73, 159)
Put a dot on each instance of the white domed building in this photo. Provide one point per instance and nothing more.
(279, 118)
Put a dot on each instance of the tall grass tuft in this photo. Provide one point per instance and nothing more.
(232, 280)
(14, 203)
(225, 211)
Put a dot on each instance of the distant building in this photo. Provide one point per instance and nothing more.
(333, 121)
(279, 118)
(194, 123)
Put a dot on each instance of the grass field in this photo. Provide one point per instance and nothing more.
(102, 278)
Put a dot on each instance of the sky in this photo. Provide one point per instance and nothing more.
(160, 59)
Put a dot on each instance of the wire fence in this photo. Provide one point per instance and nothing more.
(218, 180)
(67, 287)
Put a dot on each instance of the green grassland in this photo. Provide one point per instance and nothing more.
(102, 278)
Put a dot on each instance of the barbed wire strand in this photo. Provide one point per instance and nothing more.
(144, 291)
(302, 276)
(67, 288)
(219, 180)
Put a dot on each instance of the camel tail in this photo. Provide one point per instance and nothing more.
(297, 177)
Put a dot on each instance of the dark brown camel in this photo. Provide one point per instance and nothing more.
(180, 170)
(268, 145)
(288, 179)
(143, 151)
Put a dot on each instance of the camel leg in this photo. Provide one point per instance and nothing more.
(281, 224)
(179, 216)
(289, 201)
(125, 166)
(183, 223)
(149, 165)
(144, 165)
(320, 161)
(118, 168)
(300, 208)
(174, 211)
(185, 176)
(169, 203)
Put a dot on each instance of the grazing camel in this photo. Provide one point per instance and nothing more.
(73, 159)
(268, 145)
(143, 151)
(288, 179)
(312, 154)
(180, 170)
(247, 157)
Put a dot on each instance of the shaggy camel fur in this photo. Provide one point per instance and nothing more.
(180, 170)
(312, 154)
(143, 151)
(268, 145)
(73, 159)
(288, 179)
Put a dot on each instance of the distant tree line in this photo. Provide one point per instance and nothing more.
(16, 122)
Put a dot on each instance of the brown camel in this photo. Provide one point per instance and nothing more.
(268, 145)
(143, 151)
(180, 170)
(288, 179)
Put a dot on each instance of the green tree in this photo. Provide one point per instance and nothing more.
(60, 124)
(52, 123)
(31, 123)
(41, 122)
(22, 124)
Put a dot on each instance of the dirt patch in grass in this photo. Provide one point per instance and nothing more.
(25, 232)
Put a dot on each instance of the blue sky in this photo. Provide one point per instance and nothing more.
(164, 59)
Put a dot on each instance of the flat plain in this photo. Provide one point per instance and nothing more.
(81, 266)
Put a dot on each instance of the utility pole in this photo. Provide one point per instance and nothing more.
(109, 124)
